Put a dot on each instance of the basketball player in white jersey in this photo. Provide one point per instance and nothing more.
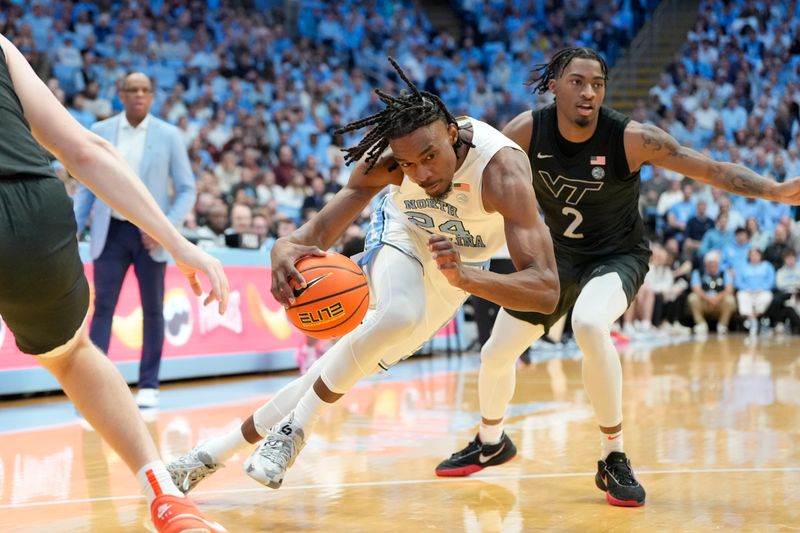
(458, 191)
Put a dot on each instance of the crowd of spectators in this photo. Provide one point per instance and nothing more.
(607, 26)
(259, 87)
(733, 92)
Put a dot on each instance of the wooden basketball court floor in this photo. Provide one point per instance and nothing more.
(712, 428)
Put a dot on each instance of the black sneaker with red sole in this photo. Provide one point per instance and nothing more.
(615, 478)
(477, 456)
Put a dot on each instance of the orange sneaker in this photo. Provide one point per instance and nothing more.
(172, 514)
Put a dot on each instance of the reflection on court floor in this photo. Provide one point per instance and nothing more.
(711, 427)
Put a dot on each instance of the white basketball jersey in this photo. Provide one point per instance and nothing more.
(459, 214)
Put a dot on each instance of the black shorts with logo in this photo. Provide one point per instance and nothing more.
(574, 274)
(44, 295)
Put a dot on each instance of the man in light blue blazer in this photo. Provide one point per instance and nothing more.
(155, 150)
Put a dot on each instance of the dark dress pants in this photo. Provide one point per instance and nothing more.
(124, 248)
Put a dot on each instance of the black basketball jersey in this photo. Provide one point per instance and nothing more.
(20, 154)
(590, 200)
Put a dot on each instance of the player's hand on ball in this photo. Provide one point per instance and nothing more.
(284, 255)
(447, 258)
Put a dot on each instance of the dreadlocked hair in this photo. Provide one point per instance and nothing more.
(544, 72)
(402, 115)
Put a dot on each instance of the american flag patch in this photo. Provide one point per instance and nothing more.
(461, 187)
(597, 160)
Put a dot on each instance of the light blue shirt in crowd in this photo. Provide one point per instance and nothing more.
(734, 255)
(683, 211)
(714, 239)
(755, 277)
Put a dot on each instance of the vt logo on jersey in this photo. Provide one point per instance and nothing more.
(567, 189)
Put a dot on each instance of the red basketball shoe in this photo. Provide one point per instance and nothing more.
(172, 514)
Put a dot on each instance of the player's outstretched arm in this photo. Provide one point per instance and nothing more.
(534, 287)
(98, 165)
(323, 230)
(645, 143)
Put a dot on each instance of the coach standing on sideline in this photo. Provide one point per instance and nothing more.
(154, 149)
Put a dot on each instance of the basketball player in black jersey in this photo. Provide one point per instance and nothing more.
(44, 295)
(586, 160)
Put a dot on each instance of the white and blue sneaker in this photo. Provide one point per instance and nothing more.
(270, 461)
(190, 469)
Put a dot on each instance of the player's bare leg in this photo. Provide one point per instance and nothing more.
(102, 397)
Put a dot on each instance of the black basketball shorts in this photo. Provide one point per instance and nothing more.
(574, 275)
(44, 295)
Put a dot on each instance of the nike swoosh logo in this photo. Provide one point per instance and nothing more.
(301, 290)
(614, 438)
(483, 458)
(540, 155)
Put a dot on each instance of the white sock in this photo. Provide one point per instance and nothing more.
(491, 434)
(155, 481)
(226, 446)
(610, 442)
(286, 399)
(308, 410)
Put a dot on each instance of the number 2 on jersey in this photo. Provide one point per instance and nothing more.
(570, 231)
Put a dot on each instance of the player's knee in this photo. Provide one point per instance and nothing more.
(588, 325)
(396, 325)
(494, 357)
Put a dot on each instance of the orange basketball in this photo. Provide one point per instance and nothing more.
(335, 299)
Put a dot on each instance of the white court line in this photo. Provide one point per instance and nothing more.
(785, 469)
